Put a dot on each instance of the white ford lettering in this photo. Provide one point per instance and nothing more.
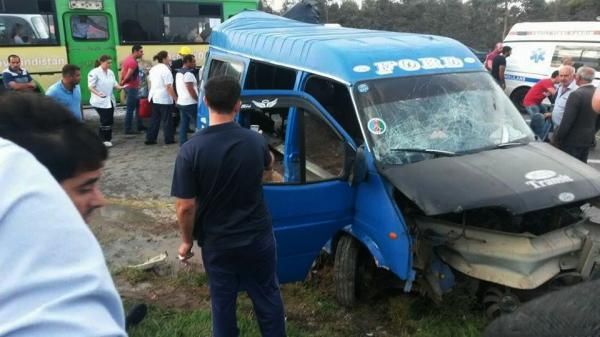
(426, 63)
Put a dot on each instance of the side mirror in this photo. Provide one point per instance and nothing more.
(360, 169)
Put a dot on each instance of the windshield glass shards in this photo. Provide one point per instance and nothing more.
(437, 114)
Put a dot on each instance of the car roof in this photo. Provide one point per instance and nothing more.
(346, 54)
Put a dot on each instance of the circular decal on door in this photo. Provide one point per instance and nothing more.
(376, 126)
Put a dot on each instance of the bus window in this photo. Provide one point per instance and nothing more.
(27, 22)
(89, 27)
(166, 21)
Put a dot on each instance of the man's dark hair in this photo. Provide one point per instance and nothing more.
(506, 49)
(11, 56)
(69, 70)
(136, 47)
(554, 74)
(222, 93)
(187, 58)
(51, 133)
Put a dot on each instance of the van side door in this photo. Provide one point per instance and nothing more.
(306, 212)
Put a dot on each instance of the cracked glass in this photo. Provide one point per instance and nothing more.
(418, 118)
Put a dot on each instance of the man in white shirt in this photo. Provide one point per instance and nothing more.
(187, 95)
(566, 75)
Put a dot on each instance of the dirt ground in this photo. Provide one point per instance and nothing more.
(139, 220)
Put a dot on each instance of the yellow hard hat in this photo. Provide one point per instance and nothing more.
(185, 51)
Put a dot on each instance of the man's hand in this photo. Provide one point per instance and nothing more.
(547, 115)
(185, 251)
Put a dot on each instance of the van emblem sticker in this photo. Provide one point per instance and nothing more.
(469, 60)
(376, 126)
(363, 88)
(544, 178)
(424, 63)
(361, 69)
(265, 103)
(538, 55)
(566, 197)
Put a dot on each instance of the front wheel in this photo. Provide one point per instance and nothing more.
(345, 270)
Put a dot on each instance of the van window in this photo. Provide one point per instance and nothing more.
(581, 55)
(225, 68)
(89, 27)
(266, 76)
(324, 150)
(27, 22)
(166, 21)
(335, 98)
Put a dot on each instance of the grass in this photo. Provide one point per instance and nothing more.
(312, 310)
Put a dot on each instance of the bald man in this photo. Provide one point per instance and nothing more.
(566, 77)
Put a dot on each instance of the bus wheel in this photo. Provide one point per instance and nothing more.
(517, 97)
(346, 270)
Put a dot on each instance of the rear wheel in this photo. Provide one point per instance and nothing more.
(517, 97)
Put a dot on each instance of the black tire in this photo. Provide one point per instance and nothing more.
(517, 97)
(345, 270)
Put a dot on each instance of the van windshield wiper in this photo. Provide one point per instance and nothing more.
(431, 151)
(509, 144)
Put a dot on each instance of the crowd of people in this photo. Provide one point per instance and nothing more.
(61, 286)
(172, 90)
(570, 121)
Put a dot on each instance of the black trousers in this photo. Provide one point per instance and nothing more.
(161, 113)
(106, 123)
(579, 152)
(251, 268)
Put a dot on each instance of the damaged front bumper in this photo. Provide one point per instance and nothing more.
(520, 261)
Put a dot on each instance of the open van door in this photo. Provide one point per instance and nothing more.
(308, 211)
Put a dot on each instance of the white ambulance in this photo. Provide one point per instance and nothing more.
(539, 47)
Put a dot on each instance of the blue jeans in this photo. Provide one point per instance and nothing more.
(133, 103)
(539, 125)
(252, 268)
(187, 114)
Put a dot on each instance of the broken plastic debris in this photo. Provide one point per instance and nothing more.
(150, 263)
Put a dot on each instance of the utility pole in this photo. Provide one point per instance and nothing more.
(505, 19)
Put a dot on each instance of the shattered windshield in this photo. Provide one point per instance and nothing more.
(411, 119)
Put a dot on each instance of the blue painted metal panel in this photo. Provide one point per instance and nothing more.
(376, 216)
(352, 54)
(305, 217)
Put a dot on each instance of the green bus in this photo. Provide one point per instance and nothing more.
(48, 34)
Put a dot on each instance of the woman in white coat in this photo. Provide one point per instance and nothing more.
(162, 95)
(102, 82)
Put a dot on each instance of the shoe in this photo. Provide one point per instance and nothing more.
(150, 142)
(108, 144)
(135, 315)
(170, 142)
(190, 131)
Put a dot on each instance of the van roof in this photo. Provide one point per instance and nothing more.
(345, 54)
(555, 31)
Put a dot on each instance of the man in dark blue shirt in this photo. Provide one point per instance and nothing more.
(15, 77)
(218, 185)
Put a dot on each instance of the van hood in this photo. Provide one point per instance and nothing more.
(520, 179)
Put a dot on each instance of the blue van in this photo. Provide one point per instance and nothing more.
(399, 151)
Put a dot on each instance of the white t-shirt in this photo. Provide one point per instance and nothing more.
(561, 102)
(160, 76)
(183, 95)
(55, 281)
(103, 81)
